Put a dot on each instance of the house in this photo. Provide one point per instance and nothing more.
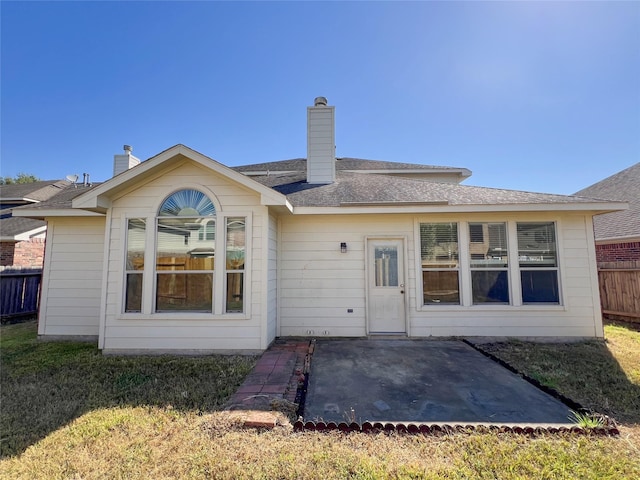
(617, 234)
(22, 239)
(182, 253)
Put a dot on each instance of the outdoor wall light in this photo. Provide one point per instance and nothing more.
(343, 247)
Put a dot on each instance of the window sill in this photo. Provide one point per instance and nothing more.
(496, 308)
(183, 316)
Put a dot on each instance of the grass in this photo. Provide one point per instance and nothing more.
(69, 412)
(602, 376)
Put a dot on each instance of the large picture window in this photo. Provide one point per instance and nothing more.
(538, 261)
(440, 265)
(185, 253)
(489, 262)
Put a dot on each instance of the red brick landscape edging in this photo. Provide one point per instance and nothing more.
(445, 429)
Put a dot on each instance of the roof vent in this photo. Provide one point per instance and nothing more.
(320, 101)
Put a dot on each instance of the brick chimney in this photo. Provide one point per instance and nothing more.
(321, 144)
(124, 161)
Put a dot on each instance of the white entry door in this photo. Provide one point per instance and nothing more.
(386, 286)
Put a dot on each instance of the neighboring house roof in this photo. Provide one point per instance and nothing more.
(622, 186)
(32, 192)
(14, 228)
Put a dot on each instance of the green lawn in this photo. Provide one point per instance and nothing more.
(69, 412)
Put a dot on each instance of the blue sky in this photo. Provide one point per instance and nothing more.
(538, 96)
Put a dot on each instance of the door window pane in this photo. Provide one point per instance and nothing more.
(386, 266)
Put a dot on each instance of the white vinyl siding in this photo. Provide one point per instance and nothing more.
(322, 291)
(72, 282)
(319, 285)
(272, 279)
(186, 330)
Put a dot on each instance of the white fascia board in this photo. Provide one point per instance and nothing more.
(98, 197)
(595, 208)
(266, 173)
(621, 239)
(19, 199)
(463, 172)
(31, 233)
(60, 212)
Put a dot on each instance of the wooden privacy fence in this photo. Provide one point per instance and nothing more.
(19, 291)
(620, 289)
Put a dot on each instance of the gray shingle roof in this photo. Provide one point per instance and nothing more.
(624, 186)
(12, 226)
(39, 191)
(346, 163)
(354, 188)
(61, 200)
(43, 191)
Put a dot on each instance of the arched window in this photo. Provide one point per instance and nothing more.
(185, 253)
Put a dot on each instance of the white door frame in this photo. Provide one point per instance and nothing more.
(367, 267)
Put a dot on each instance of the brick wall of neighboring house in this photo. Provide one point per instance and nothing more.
(618, 252)
(6, 253)
(29, 253)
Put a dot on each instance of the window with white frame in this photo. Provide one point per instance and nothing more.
(235, 261)
(134, 269)
(440, 265)
(538, 262)
(489, 263)
(185, 259)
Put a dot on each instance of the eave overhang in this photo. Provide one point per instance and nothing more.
(42, 214)
(443, 207)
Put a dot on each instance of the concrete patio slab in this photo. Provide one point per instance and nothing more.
(420, 381)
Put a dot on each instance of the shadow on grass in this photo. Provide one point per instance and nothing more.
(603, 376)
(46, 385)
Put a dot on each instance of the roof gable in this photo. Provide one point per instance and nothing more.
(99, 199)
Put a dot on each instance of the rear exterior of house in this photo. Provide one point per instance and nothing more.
(181, 253)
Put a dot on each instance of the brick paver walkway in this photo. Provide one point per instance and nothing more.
(275, 377)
